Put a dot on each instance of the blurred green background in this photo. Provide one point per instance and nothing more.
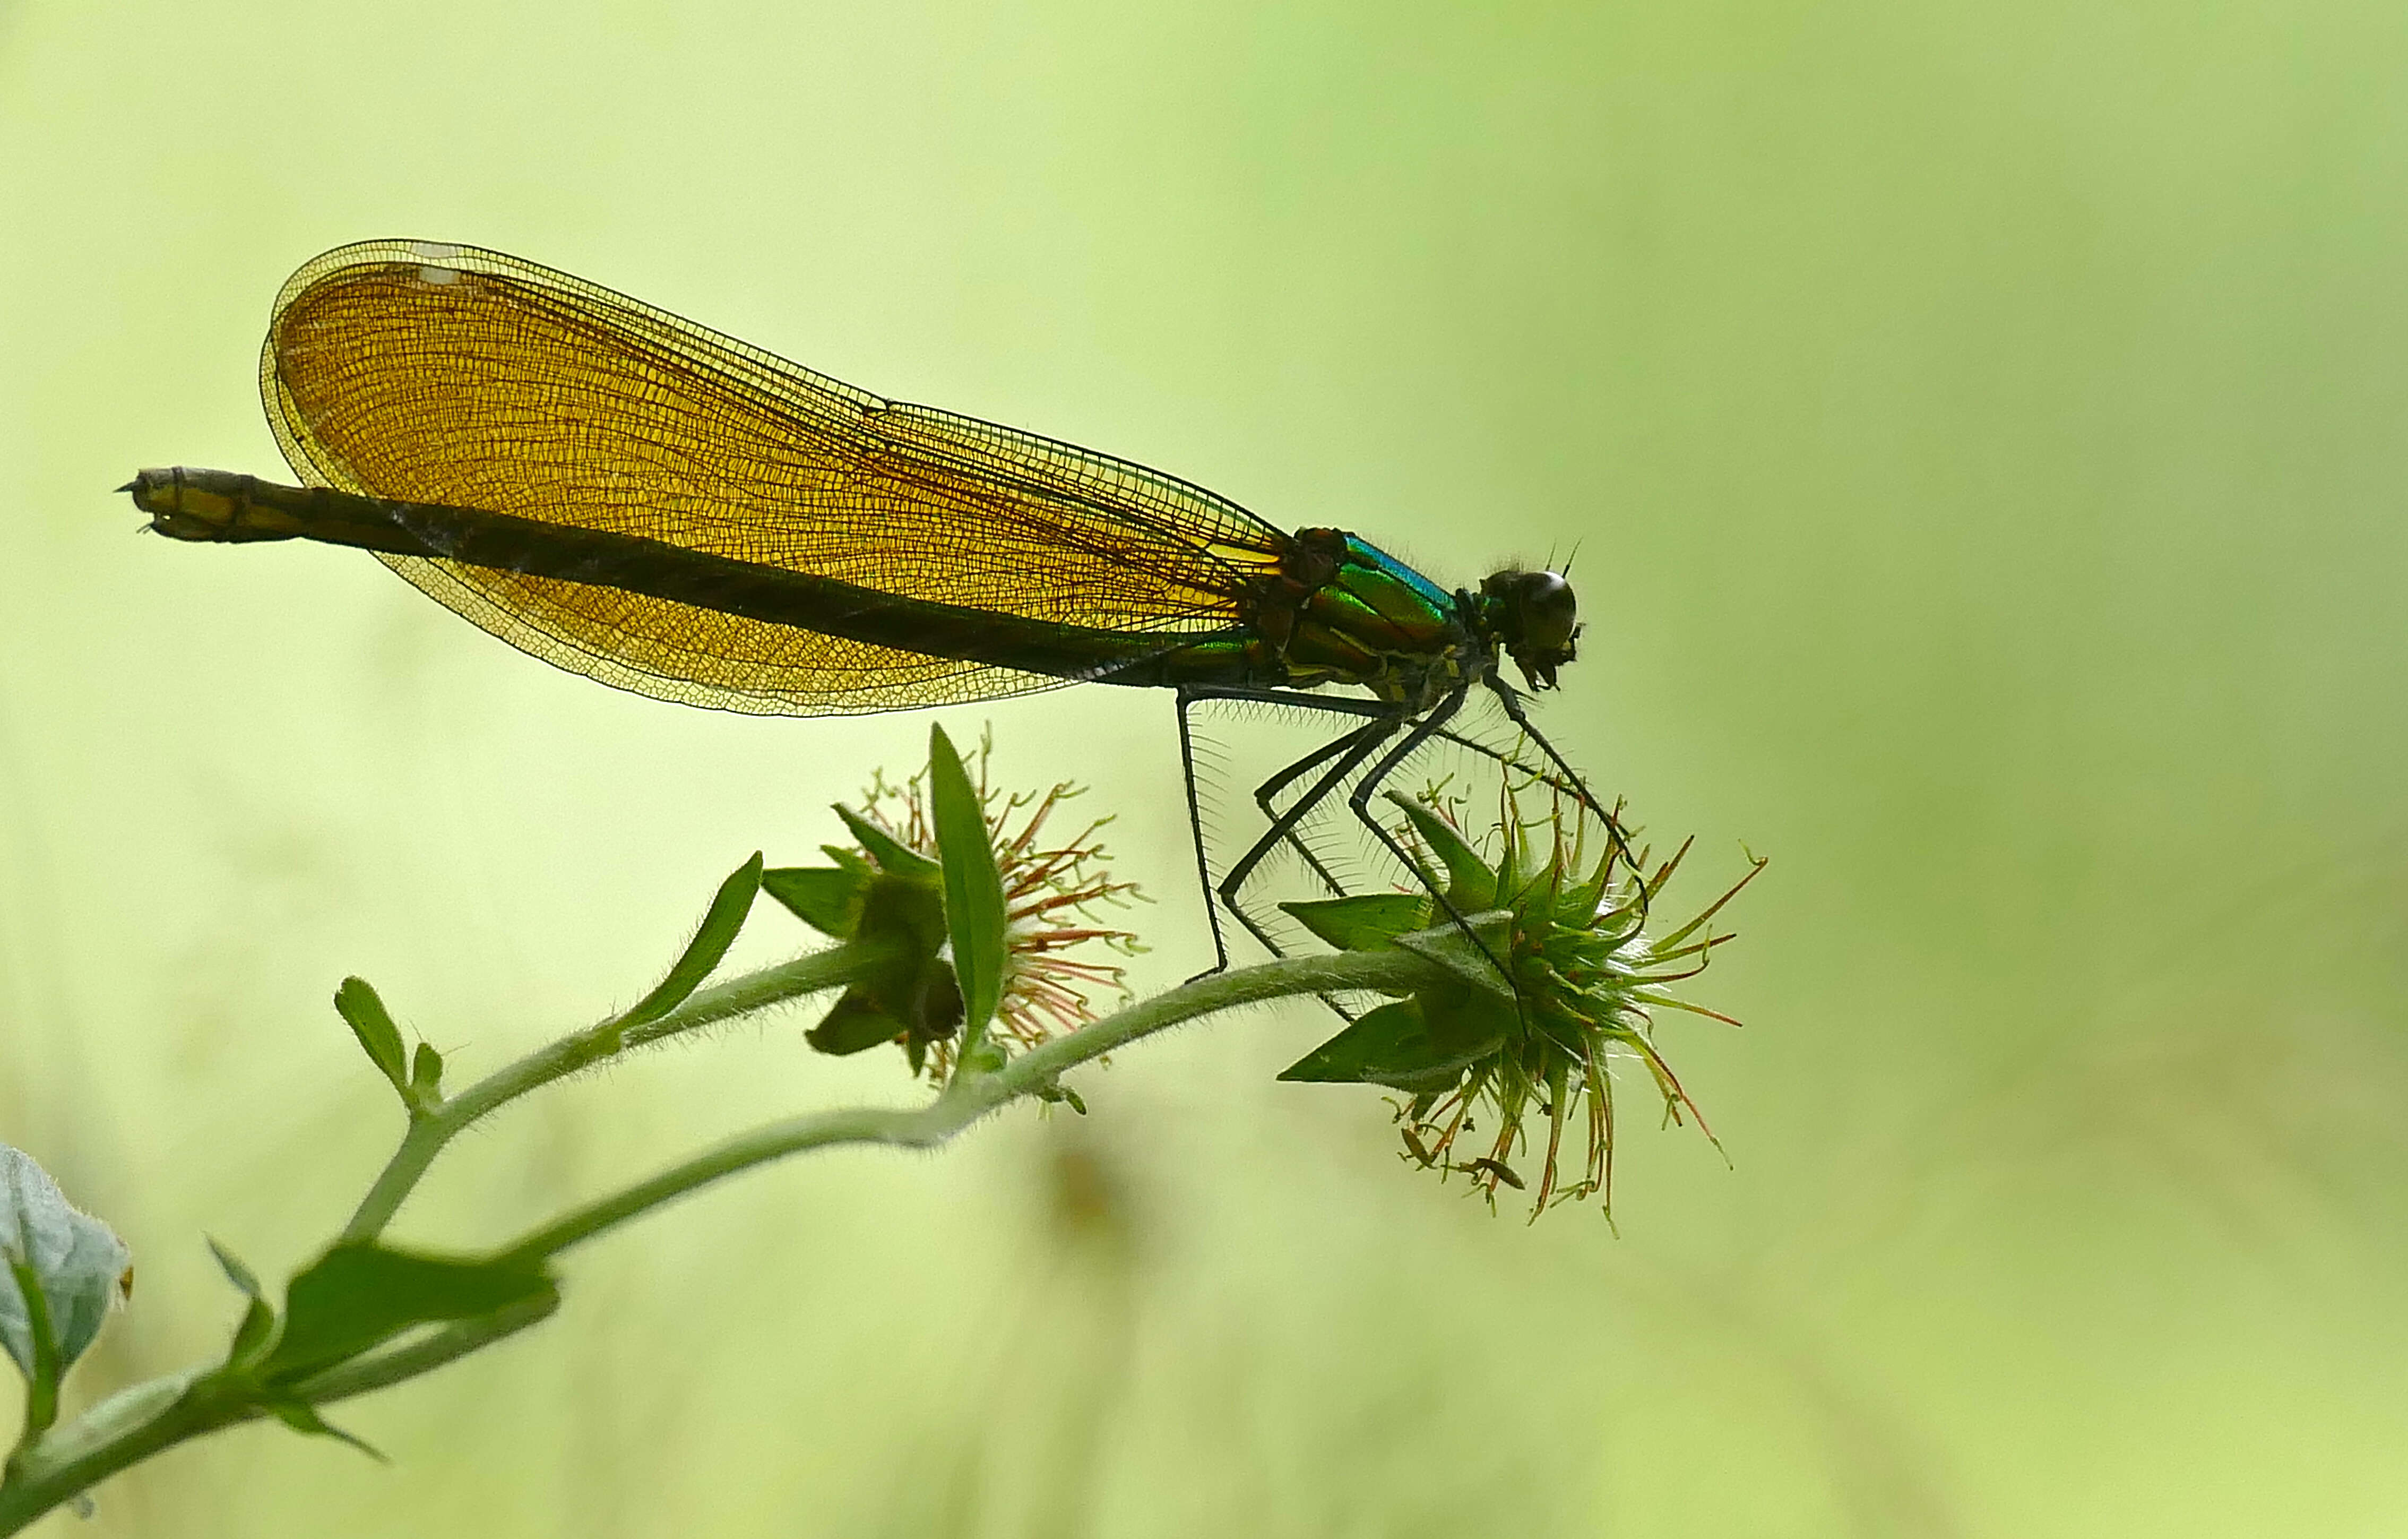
(1983, 429)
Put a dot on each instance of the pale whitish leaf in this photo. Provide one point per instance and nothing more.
(79, 1263)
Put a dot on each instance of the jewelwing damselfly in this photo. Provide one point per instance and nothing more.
(630, 495)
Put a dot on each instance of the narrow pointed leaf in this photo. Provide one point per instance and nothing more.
(1515, 841)
(356, 1296)
(258, 1323)
(238, 1274)
(1391, 1045)
(1370, 1040)
(974, 911)
(1588, 898)
(827, 898)
(1470, 885)
(729, 908)
(365, 1015)
(889, 853)
(302, 1416)
(1362, 923)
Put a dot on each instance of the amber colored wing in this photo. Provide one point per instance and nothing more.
(449, 375)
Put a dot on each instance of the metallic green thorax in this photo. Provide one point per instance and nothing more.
(1338, 609)
(1373, 620)
(1341, 610)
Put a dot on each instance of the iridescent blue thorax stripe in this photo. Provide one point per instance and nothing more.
(1337, 610)
(1359, 550)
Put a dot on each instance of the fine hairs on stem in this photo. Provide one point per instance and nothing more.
(146, 1419)
(1512, 978)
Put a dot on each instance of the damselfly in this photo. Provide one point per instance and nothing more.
(633, 497)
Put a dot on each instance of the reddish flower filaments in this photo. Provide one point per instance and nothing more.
(1051, 888)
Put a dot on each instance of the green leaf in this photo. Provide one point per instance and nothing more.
(40, 1353)
(1583, 901)
(1452, 949)
(426, 1076)
(974, 911)
(1062, 1095)
(1365, 923)
(919, 1003)
(366, 1014)
(67, 1269)
(1392, 1045)
(984, 1056)
(302, 1416)
(253, 1334)
(358, 1295)
(1513, 840)
(257, 1328)
(827, 898)
(728, 911)
(1464, 1019)
(909, 990)
(854, 1024)
(1470, 885)
(238, 1274)
(891, 855)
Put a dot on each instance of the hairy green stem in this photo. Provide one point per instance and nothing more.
(158, 1413)
(146, 1419)
(581, 1050)
(124, 1429)
(971, 1097)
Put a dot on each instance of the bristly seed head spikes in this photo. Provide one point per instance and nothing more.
(1585, 978)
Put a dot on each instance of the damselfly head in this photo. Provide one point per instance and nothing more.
(1536, 619)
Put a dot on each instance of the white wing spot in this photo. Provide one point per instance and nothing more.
(433, 251)
(438, 274)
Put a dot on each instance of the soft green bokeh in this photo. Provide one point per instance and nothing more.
(1985, 431)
